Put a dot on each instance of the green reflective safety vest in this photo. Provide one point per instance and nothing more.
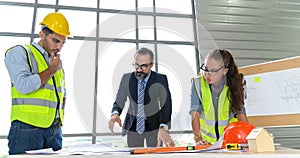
(39, 108)
(207, 117)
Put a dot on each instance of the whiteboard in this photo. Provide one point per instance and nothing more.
(272, 93)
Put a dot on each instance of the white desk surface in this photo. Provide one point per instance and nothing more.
(280, 152)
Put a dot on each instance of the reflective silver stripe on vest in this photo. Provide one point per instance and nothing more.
(60, 89)
(51, 87)
(223, 122)
(48, 86)
(212, 122)
(208, 122)
(31, 101)
(34, 64)
(209, 134)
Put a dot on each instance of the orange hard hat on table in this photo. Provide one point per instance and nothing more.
(57, 23)
(236, 132)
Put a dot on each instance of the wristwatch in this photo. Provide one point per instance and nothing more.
(164, 127)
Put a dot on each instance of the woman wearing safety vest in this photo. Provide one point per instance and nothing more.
(38, 88)
(217, 97)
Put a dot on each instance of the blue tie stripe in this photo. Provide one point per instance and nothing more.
(140, 125)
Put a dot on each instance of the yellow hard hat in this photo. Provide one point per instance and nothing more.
(57, 23)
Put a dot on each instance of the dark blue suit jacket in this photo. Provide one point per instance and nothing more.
(157, 100)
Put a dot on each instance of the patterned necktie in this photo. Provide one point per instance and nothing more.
(140, 123)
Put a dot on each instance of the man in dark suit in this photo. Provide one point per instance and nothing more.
(150, 109)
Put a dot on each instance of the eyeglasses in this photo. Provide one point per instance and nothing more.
(212, 72)
(143, 66)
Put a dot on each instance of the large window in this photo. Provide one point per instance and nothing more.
(106, 35)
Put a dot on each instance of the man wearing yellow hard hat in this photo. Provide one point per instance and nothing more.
(38, 88)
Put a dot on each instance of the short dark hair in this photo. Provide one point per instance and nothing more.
(46, 30)
(144, 51)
